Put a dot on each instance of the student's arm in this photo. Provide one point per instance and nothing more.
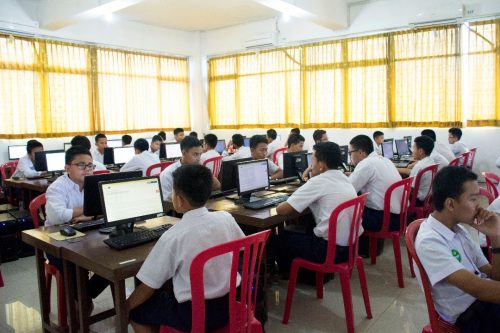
(57, 212)
(27, 169)
(278, 174)
(305, 175)
(140, 294)
(404, 171)
(215, 184)
(482, 289)
(275, 172)
(488, 223)
(285, 208)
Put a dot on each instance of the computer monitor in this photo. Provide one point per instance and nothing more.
(408, 139)
(309, 159)
(67, 145)
(127, 201)
(344, 154)
(163, 151)
(123, 154)
(91, 197)
(114, 143)
(50, 160)
(246, 142)
(402, 147)
(252, 176)
(109, 157)
(221, 145)
(16, 152)
(227, 174)
(294, 164)
(173, 150)
(387, 149)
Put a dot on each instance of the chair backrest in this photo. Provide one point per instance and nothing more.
(455, 161)
(485, 193)
(356, 207)
(464, 159)
(7, 169)
(1, 280)
(278, 152)
(161, 165)
(36, 204)
(472, 156)
(491, 178)
(413, 201)
(405, 186)
(249, 249)
(101, 172)
(216, 163)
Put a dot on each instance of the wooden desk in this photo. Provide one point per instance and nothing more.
(28, 187)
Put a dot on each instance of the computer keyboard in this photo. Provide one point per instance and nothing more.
(88, 225)
(283, 180)
(137, 237)
(266, 202)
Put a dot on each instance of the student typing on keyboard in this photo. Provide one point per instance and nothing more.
(327, 188)
(149, 305)
(258, 149)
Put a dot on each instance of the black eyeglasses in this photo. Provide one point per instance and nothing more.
(83, 166)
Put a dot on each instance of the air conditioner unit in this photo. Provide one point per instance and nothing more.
(262, 41)
(27, 29)
(443, 14)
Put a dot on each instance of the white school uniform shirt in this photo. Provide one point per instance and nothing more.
(242, 152)
(375, 174)
(97, 156)
(322, 193)
(208, 155)
(497, 162)
(377, 148)
(439, 159)
(141, 162)
(25, 168)
(425, 181)
(495, 206)
(99, 165)
(272, 168)
(443, 251)
(166, 180)
(62, 196)
(458, 148)
(172, 255)
(271, 148)
(444, 149)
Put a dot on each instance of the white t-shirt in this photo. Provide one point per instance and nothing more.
(439, 159)
(62, 196)
(375, 174)
(25, 168)
(377, 148)
(271, 148)
(208, 155)
(242, 152)
(425, 180)
(166, 180)
(141, 162)
(97, 156)
(444, 149)
(458, 148)
(322, 194)
(172, 255)
(272, 168)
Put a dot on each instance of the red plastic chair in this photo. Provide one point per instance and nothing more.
(277, 152)
(161, 165)
(1, 280)
(490, 198)
(436, 325)
(241, 309)
(455, 161)
(492, 178)
(7, 169)
(405, 186)
(50, 271)
(216, 163)
(424, 210)
(356, 206)
(472, 157)
(101, 172)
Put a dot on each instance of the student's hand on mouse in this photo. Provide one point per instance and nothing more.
(487, 222)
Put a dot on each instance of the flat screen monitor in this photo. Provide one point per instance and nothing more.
(67, 145)
(294, 164)
(109, 157)
(246, 142)
(387, 149)
(127, 201)
(221, 145)
(344, 154)
(16, 152)
(389, 140)
(114, 143)
(227, 174)
(50, 160)
(123, 154)
(163, 151)
(91, 197)
(409, 141)
(402, 147)
(173, 150)
(309, 159)
(252, 176)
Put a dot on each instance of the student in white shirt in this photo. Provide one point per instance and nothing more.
(126, 140)
(237, 142)
(191, 153)
(83, 141)
(378, 138)
(295, 143)
(327, 189)
(320, 135)
(439, 147)
(374, 174)
(170, 259)
(25, 165)
(209, 144)
(143, 158)
(258, 149)
(155, 144)
(101, 142)
(272, 142)
(162, 135)
(454, 136)
(178, 134)
(193, 134)
(465, 287)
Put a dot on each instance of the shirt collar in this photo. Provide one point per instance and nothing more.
(440, 228)
(195, 213)
(71, 182)
(373, 154)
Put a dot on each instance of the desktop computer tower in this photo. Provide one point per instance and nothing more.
(9, 244)
(23, 222)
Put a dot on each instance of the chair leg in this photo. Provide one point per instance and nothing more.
(397, 257)
(412, 271)
(319, 285)
(291, 289)
(48, 285)
(364, 287)
(373, 250)
(346, 294)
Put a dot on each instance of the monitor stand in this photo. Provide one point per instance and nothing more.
(244, 198)
(122, 229)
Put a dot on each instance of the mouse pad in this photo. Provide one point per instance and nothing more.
(59, 237)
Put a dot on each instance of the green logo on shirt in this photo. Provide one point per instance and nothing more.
(456, 254)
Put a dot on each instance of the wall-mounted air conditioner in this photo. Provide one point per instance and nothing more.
(262, 41)
(447, 13)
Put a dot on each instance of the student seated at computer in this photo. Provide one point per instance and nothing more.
(193, 134)
(320, 135)
(378, 138)
(154, 147)
(272, 142)
(170, 259)
(454, 136)
(143, 158)
(294, 131)
(209, 144)
(295, 143)
(373, 174)
(237, 142)
(101, 142)
(441, 148)
(327, 188)
(258, 150)
(191, 153)
(83, 141)
(178, 134)
(436, 156)
(25, 165)
(163, 135)
(126, 140)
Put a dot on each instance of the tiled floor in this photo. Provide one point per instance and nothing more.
(394, 309)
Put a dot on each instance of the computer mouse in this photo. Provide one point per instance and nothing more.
(67, 231)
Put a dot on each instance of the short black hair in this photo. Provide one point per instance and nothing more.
(238, 140)
(32, 144)
(318, 134)
(73, 151)
(100, 136)
(178, 130)
(141, 145)
(163, 135)
(193, 134)
(189, 142)
(376, 134)
(294, 139)
(362, 142)
(295, 130)
(194, 183)
(430, 133)
(126, 139)
(328, 152)
(156, 138)
(449, 183)
(455, 131)
(272, 134)
(424, 142)
(256, 139)
(211, 140)
(81, 140)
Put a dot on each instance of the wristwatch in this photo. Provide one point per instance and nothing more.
(495, 250)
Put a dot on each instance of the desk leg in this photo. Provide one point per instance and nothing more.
(69, 289)
(42, 290)
(121, 320)
(81, 282)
